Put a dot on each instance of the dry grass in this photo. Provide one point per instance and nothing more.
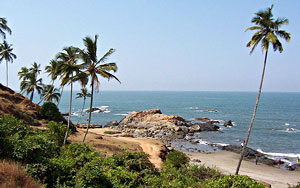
(13, 176)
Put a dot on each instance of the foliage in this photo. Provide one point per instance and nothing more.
(56, 131)
(50, 111)
(176, 159)
(235, 181)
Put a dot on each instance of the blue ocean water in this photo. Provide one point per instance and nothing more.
(276, 128)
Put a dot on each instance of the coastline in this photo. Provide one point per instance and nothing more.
(227, 161)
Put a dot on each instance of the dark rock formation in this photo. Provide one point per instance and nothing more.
(228, 124)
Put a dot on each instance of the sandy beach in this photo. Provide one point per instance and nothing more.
(226, 162)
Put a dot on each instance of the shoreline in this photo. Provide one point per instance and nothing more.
(227, 161)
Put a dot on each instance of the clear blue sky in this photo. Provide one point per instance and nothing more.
(197, 45)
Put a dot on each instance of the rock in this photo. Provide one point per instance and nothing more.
(204, 119)
(228, 124)
(99, 137)
(196, 161)
(213, 122)
(210, 111)
(154, 117)
(95, 109)
(111, 124)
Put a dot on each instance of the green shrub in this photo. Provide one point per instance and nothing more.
(133, 161)
(56, 132)
(235, 181)
(73, 157)
(92, 175)
(50, 111)
(111, 132)
(176, 159)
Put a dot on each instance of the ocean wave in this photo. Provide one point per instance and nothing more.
(193, 108)
(202, 142)
(106, 111)
(290, 130)
(221, 144)
(120, 114)
(292, 155)
(286, 124)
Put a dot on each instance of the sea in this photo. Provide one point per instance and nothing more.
(275, 132)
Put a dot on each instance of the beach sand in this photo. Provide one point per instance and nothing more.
(226, 162)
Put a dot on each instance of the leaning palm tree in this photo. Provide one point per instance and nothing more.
(30, 82)
(50, 94)
(93, 67)
(4, 28)
(267, 32)
(7, 55)
(69, 71)
(84, 94)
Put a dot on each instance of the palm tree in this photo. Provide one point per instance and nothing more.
(84, 94)
(7, 55)
(4, 27)
(93, 67)
(69, 72)
(30, 81)
(50, 93)
(267, 33)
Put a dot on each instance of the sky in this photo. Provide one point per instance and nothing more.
(161, 45)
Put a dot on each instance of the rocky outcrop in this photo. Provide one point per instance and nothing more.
(204, 119)
(150, 118)
(95, 109)
(111, 124)
(152, 123)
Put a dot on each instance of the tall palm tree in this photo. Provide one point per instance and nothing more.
(30, 81)
(50, 93)
(84, 94)
(7, 55)
(267, 32)
(69, 71)
(93, 67)
(4, 27)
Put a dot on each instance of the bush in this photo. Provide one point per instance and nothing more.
(50, 111)
(235, 181)
(176, 159)
(131, 161)
(92, 175)
(296, 186)
(73, 157)
(56, 132)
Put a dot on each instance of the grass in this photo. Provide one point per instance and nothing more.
(13, 176)
(111, 132)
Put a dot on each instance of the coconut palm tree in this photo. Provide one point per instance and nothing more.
(30, 81)
(267, 32)
(50, 93)
(69, 74)
(7, 55)
(94, 67)
(84, 94)
(4, 28)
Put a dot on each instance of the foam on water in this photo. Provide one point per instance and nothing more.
(292, 155)
(290, 130)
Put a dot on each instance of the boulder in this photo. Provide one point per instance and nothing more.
(111, 124)
(228, 123)
(94, 110)
(204, 119)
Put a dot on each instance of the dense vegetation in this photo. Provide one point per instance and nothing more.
(78, 165)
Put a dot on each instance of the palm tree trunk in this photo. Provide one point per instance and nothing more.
(253, 115)
(70, 107)
(81, 111)
(31, 96)
(90, 112)
(6, 74)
